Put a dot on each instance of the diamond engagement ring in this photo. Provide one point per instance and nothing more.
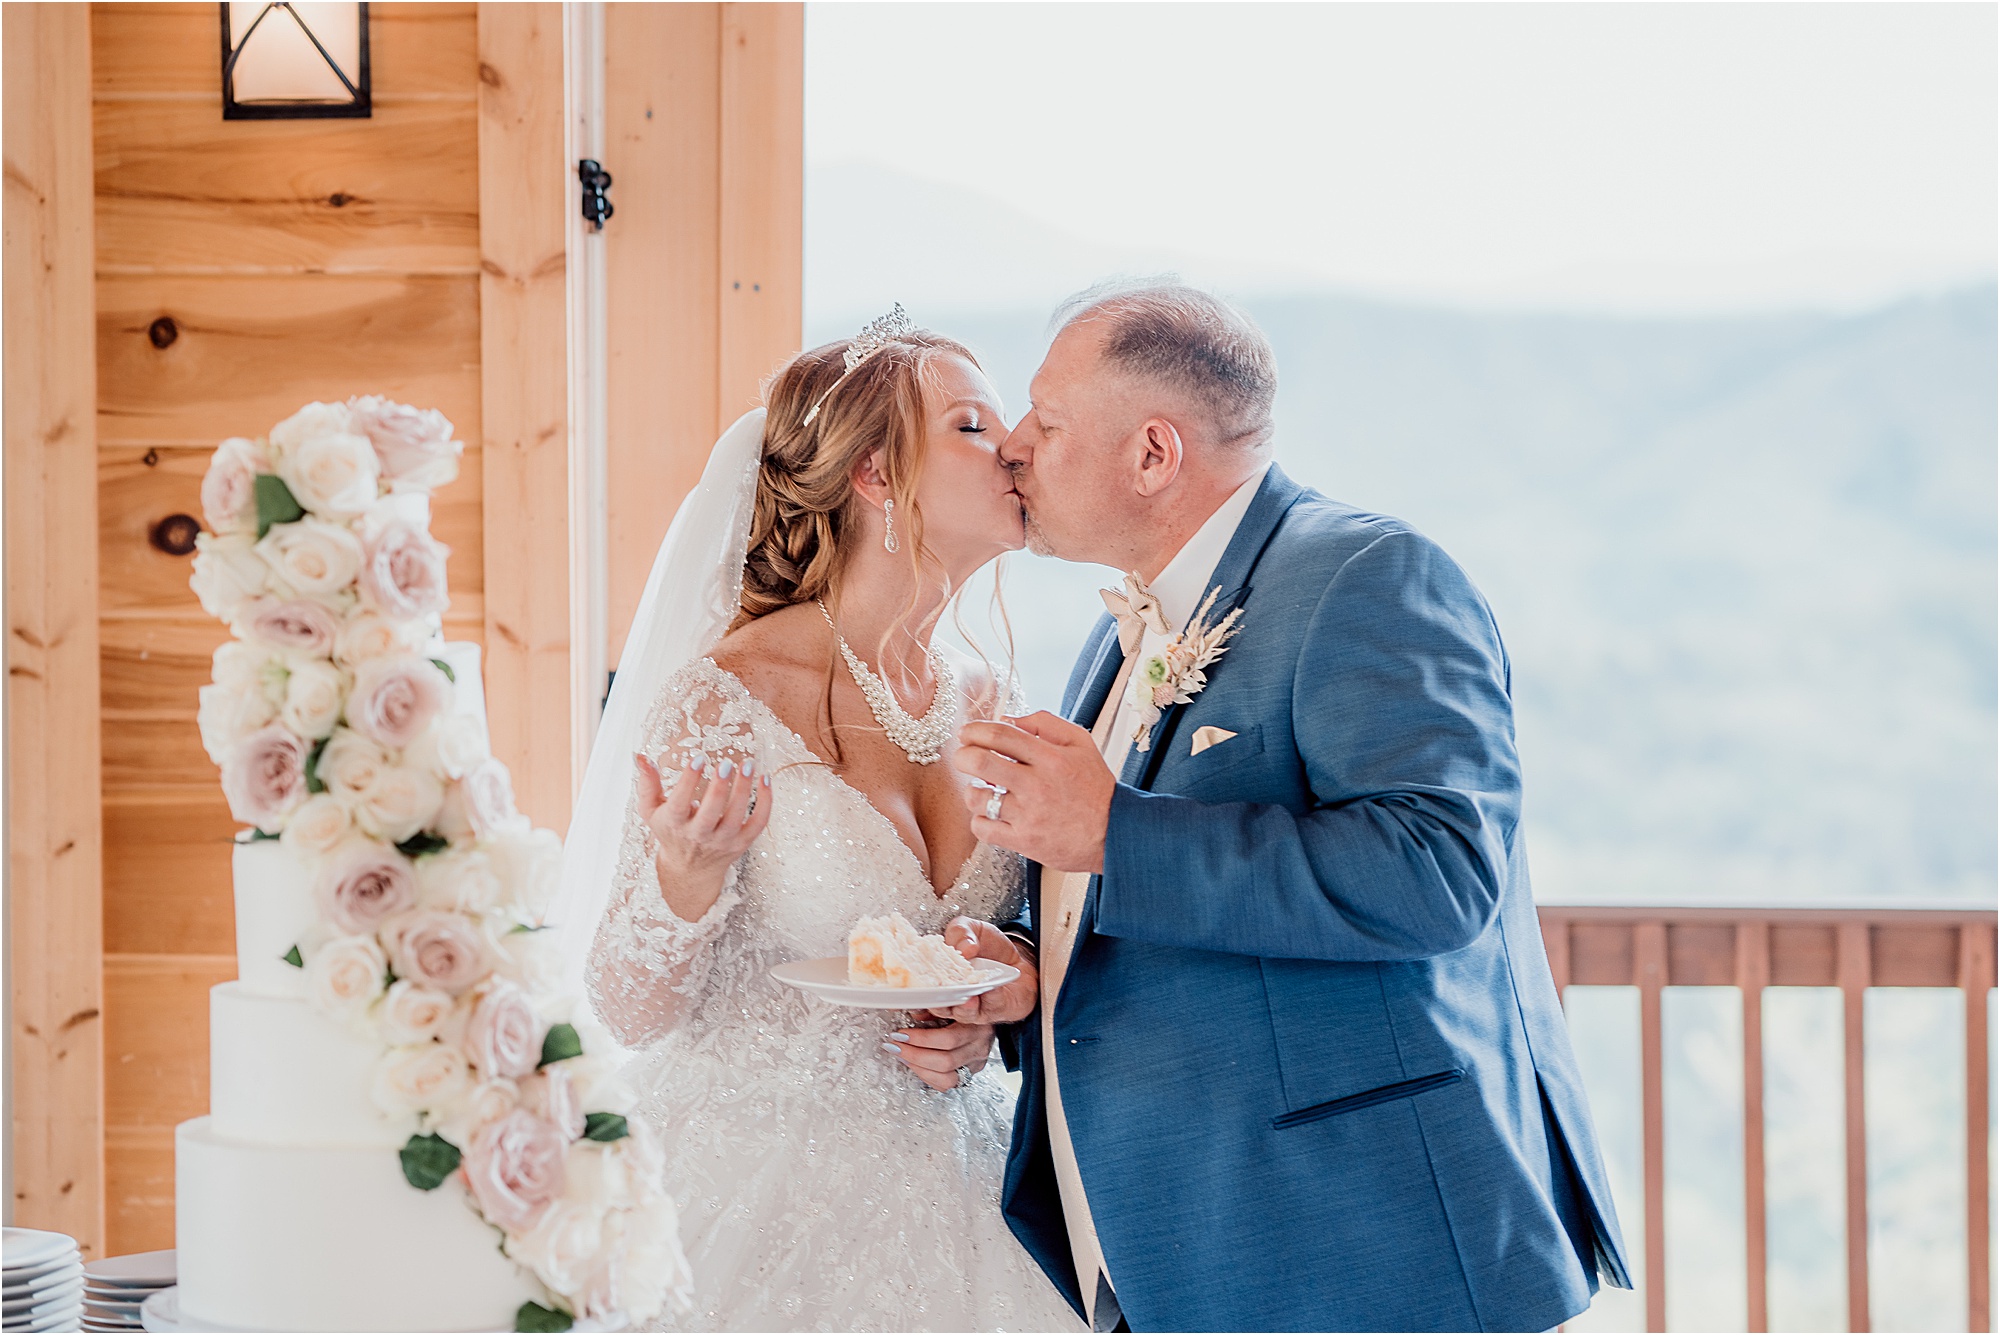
(993, 804)
(964, 1076)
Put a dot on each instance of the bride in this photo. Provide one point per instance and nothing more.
(768, 772)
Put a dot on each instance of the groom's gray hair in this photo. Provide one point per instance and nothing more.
(1189, 341)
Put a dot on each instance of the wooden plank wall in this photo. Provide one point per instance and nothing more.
(54, 849)
(243, 268)
(704, 137)
(525, 190)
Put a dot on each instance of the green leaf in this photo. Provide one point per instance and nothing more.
(428, 1161)
(534, 1316)
(445, 668)
(604, 1126)
(560, 1045)
(275, 503)
(293, 958)
(315, 784)
(422, 842)
(256, 836)
(521, 927)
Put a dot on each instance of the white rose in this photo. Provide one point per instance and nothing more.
(650, 1269)
(462, 879)
(248, 665)
(229, 489)
(309, 422)
(400, 803)
(599, 1087)
(598, 1176)
(227, 715)
(451, 747)
(350, 765)
(317, 827)
(419, 1077)
(368, 634)
(527, 956)
(314, 695)
(313, 556)
(562, 1247)
(228, 573)
(529, 864)
(334, 475)
(413, 1013)
(345, 975)
(480, 1105)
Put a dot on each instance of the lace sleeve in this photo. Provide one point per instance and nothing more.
(647, 963)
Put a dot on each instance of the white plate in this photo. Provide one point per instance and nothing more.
(827, 980)
(25, 1282)
(55, 1296)
(53, 1278)
(108, 1309)
(31, 1248)
(147, 1270)
(67, 1319)
(105, 1294)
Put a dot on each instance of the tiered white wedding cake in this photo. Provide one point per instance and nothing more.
(407, 1129)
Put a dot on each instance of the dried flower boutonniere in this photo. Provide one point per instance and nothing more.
(1174, 676)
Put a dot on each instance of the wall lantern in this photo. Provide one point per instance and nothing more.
(285, 61)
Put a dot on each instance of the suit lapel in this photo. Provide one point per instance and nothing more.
(1232, 574)
(1103, 671)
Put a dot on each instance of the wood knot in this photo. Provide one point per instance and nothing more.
(151, 458)
(175, 534)
(163, 331)
(340, 199)
(490, 76)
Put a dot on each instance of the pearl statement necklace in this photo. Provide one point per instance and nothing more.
(922, 740)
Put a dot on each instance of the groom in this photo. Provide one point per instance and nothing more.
(1292, 1058)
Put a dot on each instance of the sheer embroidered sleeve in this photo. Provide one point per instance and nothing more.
(648, 964)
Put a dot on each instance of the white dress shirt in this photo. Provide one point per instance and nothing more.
(1180, 588)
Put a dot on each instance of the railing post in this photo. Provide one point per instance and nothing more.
(1975, 976)
(1852, 971)
(1649, 960)
(1753, 973)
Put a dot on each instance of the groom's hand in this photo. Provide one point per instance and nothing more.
(1058, 789)
(1010, 1003)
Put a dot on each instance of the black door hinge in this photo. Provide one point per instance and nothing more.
(596, 203)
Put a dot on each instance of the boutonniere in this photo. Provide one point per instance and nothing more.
(1174, 676)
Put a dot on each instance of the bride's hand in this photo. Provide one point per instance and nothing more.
(1008, 1004)
(699, 835)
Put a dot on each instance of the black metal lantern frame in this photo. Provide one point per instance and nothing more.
(358, 87)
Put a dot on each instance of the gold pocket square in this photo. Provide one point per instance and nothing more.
(1207, 737)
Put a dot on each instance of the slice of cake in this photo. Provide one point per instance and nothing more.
(887, 952)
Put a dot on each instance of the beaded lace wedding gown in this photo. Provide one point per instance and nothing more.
(822, 1185)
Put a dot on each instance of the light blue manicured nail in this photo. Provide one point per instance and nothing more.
(764, 779)
(725, 769)
(749, 766)
(698, 762)
(900, 1038)
(892, 1049)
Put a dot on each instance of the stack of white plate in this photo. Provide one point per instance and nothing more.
(115, 1288)
(42, 1284)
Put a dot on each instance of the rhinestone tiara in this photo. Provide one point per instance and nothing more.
(876, 335)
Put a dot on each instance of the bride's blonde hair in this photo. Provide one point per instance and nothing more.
(806, 505)
(806, 509)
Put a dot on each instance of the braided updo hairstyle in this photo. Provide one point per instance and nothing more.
(806, 506)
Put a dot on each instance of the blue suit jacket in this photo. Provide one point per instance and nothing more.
(1313, 1063)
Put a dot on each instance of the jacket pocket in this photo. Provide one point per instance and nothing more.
(1367, 1098)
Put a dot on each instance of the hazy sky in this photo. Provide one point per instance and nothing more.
(1621, 156)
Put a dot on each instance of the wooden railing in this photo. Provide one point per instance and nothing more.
(1753, 948)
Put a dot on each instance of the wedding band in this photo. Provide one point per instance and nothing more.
(964, 1076)
(993, 804)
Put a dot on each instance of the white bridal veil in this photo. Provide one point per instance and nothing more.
(690, 599)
